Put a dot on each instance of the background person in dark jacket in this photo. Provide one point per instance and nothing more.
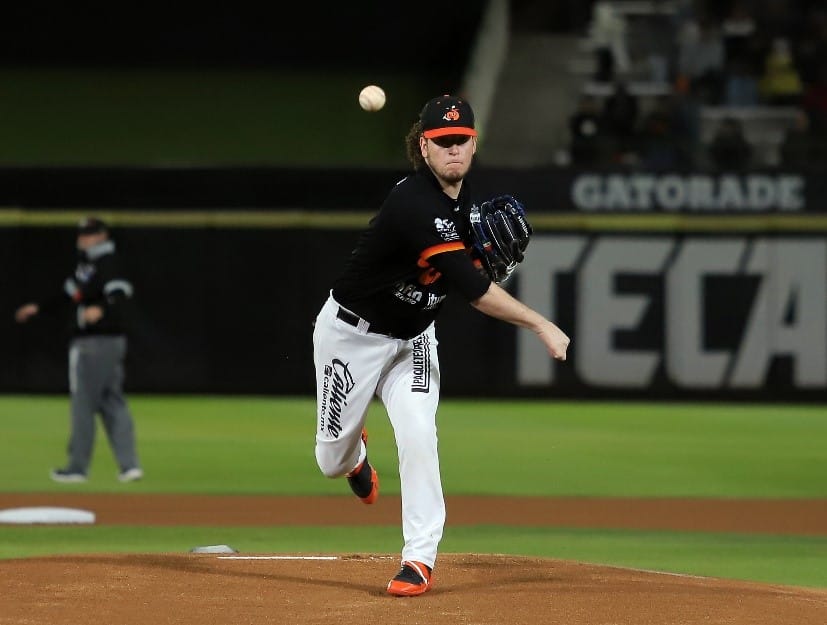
(97, 294)
(730, 149)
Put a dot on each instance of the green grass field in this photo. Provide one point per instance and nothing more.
(147, 117)
(247, 445)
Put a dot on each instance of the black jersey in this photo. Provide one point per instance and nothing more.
(391, 279)
(98, 281)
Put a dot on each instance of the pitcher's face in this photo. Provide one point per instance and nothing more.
(449, 156)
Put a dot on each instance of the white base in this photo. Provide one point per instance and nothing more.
(46, 514)
(213, 549)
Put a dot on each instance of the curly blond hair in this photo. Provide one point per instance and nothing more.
(412, 146)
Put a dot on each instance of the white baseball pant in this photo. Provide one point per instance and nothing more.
(352, 366)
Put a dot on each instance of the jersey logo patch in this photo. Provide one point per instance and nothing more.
(446, 229)
(84, 272)
(337, 384)
(421, 364)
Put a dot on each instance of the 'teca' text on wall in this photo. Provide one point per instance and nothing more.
(704, 312)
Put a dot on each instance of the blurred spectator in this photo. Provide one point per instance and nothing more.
(741, 84)
(811, 48)
(729, 148)
(801, 147)
(738, 30)
(657, 46)
(607, 36)
(588, 138)
(780, 84)
(662, 141)
(742, 62)
(700, 65)
(815, 101)
(620, 117)
(779, 19)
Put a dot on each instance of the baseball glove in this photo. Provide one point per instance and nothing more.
(499, 236)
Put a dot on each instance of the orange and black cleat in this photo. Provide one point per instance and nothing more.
(413, 579)
(363, 480)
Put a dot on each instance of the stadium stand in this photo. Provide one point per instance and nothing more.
(699, 63)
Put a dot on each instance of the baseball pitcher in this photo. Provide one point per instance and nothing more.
(375, 336)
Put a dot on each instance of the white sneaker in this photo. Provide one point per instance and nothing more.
(68, 477)
(131, 475)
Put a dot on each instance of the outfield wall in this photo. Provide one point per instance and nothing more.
(680, 285)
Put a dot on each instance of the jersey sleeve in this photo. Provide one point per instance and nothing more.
(457, 267)
(433, 236)
(114, 291)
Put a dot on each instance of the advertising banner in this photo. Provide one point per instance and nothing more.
(679, 313)
(671, 285)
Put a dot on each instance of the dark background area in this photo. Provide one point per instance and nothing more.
(230, 310)
(434, 37)
(216, 310)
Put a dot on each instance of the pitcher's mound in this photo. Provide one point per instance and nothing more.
(209, 589)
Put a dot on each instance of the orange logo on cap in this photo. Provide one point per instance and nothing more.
(452, 115)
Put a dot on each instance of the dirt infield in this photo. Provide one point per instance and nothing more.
(773, 516)
(348, 589)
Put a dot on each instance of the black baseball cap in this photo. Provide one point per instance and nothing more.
(447, 115)
(91, 225)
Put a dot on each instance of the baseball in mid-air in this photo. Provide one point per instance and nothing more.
(372, 98)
